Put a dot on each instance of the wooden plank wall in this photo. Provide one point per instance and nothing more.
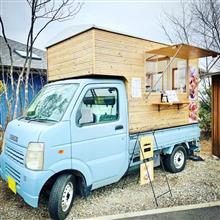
(72, 57)
(122, 55)
(101, 52)
(216, 115)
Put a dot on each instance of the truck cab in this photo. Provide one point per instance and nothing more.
(76, 128)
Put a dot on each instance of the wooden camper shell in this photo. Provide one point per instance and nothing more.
(98, 52)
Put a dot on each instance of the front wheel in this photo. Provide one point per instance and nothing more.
(176, 161)
(62, 196)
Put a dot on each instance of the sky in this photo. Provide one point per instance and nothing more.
(137, 17)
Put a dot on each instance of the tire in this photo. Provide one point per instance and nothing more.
(61, 197)
(176, 161)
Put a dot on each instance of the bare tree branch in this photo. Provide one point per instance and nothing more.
(10, 55)
(44, 12)
(199, 24)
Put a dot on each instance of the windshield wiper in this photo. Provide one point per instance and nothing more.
(29, 118)
(45, 119)
(39, 119)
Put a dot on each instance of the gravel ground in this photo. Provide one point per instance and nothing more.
(198, 183)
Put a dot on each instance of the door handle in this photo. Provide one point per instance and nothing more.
(118, 127)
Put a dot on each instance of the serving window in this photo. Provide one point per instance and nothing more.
(155, 81)
(179, 79)
(174, 77)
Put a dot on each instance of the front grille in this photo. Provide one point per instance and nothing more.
(14, 154)
(10, 171)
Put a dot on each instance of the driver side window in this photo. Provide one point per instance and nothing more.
(99, 105)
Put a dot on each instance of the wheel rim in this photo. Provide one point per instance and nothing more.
(67, 197)
(179, 159)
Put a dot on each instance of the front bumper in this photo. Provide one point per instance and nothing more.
(28, 183)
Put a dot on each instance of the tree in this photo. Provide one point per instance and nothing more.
(197, 24)
(44, 12)
(205, 109)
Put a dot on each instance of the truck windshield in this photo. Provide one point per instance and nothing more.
(51, 103)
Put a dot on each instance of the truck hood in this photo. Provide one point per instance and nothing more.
(21, 132)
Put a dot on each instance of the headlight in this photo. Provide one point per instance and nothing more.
(35, 156)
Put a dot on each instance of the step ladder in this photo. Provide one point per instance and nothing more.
(145, 161)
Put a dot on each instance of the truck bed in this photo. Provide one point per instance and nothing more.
(166, 139)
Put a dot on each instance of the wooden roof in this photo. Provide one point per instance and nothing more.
(75, 30)
(185, 52)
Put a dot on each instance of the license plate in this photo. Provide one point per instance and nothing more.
(12, 184)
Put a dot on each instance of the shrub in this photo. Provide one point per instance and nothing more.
(205, 118)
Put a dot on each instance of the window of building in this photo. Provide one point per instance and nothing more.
(179, 79)
(156, 78)
(155, 82)
(98, 106)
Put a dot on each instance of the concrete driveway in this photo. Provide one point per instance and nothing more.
(205, 211)
(212, 213)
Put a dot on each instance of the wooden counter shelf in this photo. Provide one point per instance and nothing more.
(159, 104)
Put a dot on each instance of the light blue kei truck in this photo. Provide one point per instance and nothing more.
(74, 138)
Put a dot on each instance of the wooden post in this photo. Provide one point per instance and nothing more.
(216, 115)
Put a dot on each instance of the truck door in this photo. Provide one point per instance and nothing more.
(100, 133)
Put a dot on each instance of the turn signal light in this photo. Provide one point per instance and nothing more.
(60, 151)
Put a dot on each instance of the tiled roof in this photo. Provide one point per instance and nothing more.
(19, 60)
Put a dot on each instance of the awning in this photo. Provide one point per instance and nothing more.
(185, 52)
